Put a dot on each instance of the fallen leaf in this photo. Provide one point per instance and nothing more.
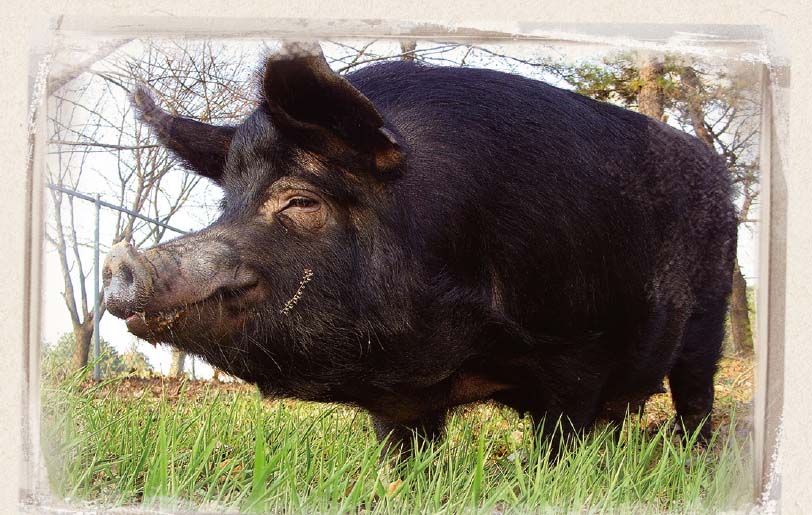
(393, 486)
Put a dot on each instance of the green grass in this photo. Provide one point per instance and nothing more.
(217, 448)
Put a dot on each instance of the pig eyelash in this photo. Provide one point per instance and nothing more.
(290, 304)
(300, 202)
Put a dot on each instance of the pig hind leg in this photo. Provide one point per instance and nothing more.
(559, 410)
(400, 436)
(691, 377)
(560, 425)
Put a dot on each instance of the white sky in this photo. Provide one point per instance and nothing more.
(56, 320)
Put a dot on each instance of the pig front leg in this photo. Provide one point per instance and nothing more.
(400, 436)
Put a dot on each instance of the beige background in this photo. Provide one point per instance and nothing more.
(790, 22)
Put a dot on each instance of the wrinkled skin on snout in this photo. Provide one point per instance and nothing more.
(412, 238)
(182, 290)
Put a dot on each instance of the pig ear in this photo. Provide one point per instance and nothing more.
(201, 146)
(321, 110)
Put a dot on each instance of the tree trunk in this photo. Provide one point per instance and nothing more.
(407, 48)
(83, 336)
(696, 111)
(741, 332)
(651, 98)
(176, 367)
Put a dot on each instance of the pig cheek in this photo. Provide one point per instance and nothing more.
(312, 221)
(209, 325)
(222, 320)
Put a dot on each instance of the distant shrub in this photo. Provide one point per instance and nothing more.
(57, 358)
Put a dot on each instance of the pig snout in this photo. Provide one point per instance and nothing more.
(128, 282)
(174, 276)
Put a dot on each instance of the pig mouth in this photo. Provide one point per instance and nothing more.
(225, 307)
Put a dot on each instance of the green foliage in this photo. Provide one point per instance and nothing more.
(615, 79)
(136, 363)
(57, 359)
(219, 449)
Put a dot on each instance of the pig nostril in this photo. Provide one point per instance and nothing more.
(126, 275)
(127, 284)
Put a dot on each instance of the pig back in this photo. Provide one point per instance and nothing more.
(568, 215)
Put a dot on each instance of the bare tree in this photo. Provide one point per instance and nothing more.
(176, 365)
(65, 237)
(408, 48)
(93, 127)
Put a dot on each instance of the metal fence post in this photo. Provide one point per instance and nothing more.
(96, 314)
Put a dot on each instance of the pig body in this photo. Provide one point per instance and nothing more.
(412, 238)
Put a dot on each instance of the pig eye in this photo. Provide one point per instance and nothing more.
(302, 203)
(296, 207)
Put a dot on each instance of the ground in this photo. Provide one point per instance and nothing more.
(220, 446)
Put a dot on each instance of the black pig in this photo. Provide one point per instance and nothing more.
(411, 238)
